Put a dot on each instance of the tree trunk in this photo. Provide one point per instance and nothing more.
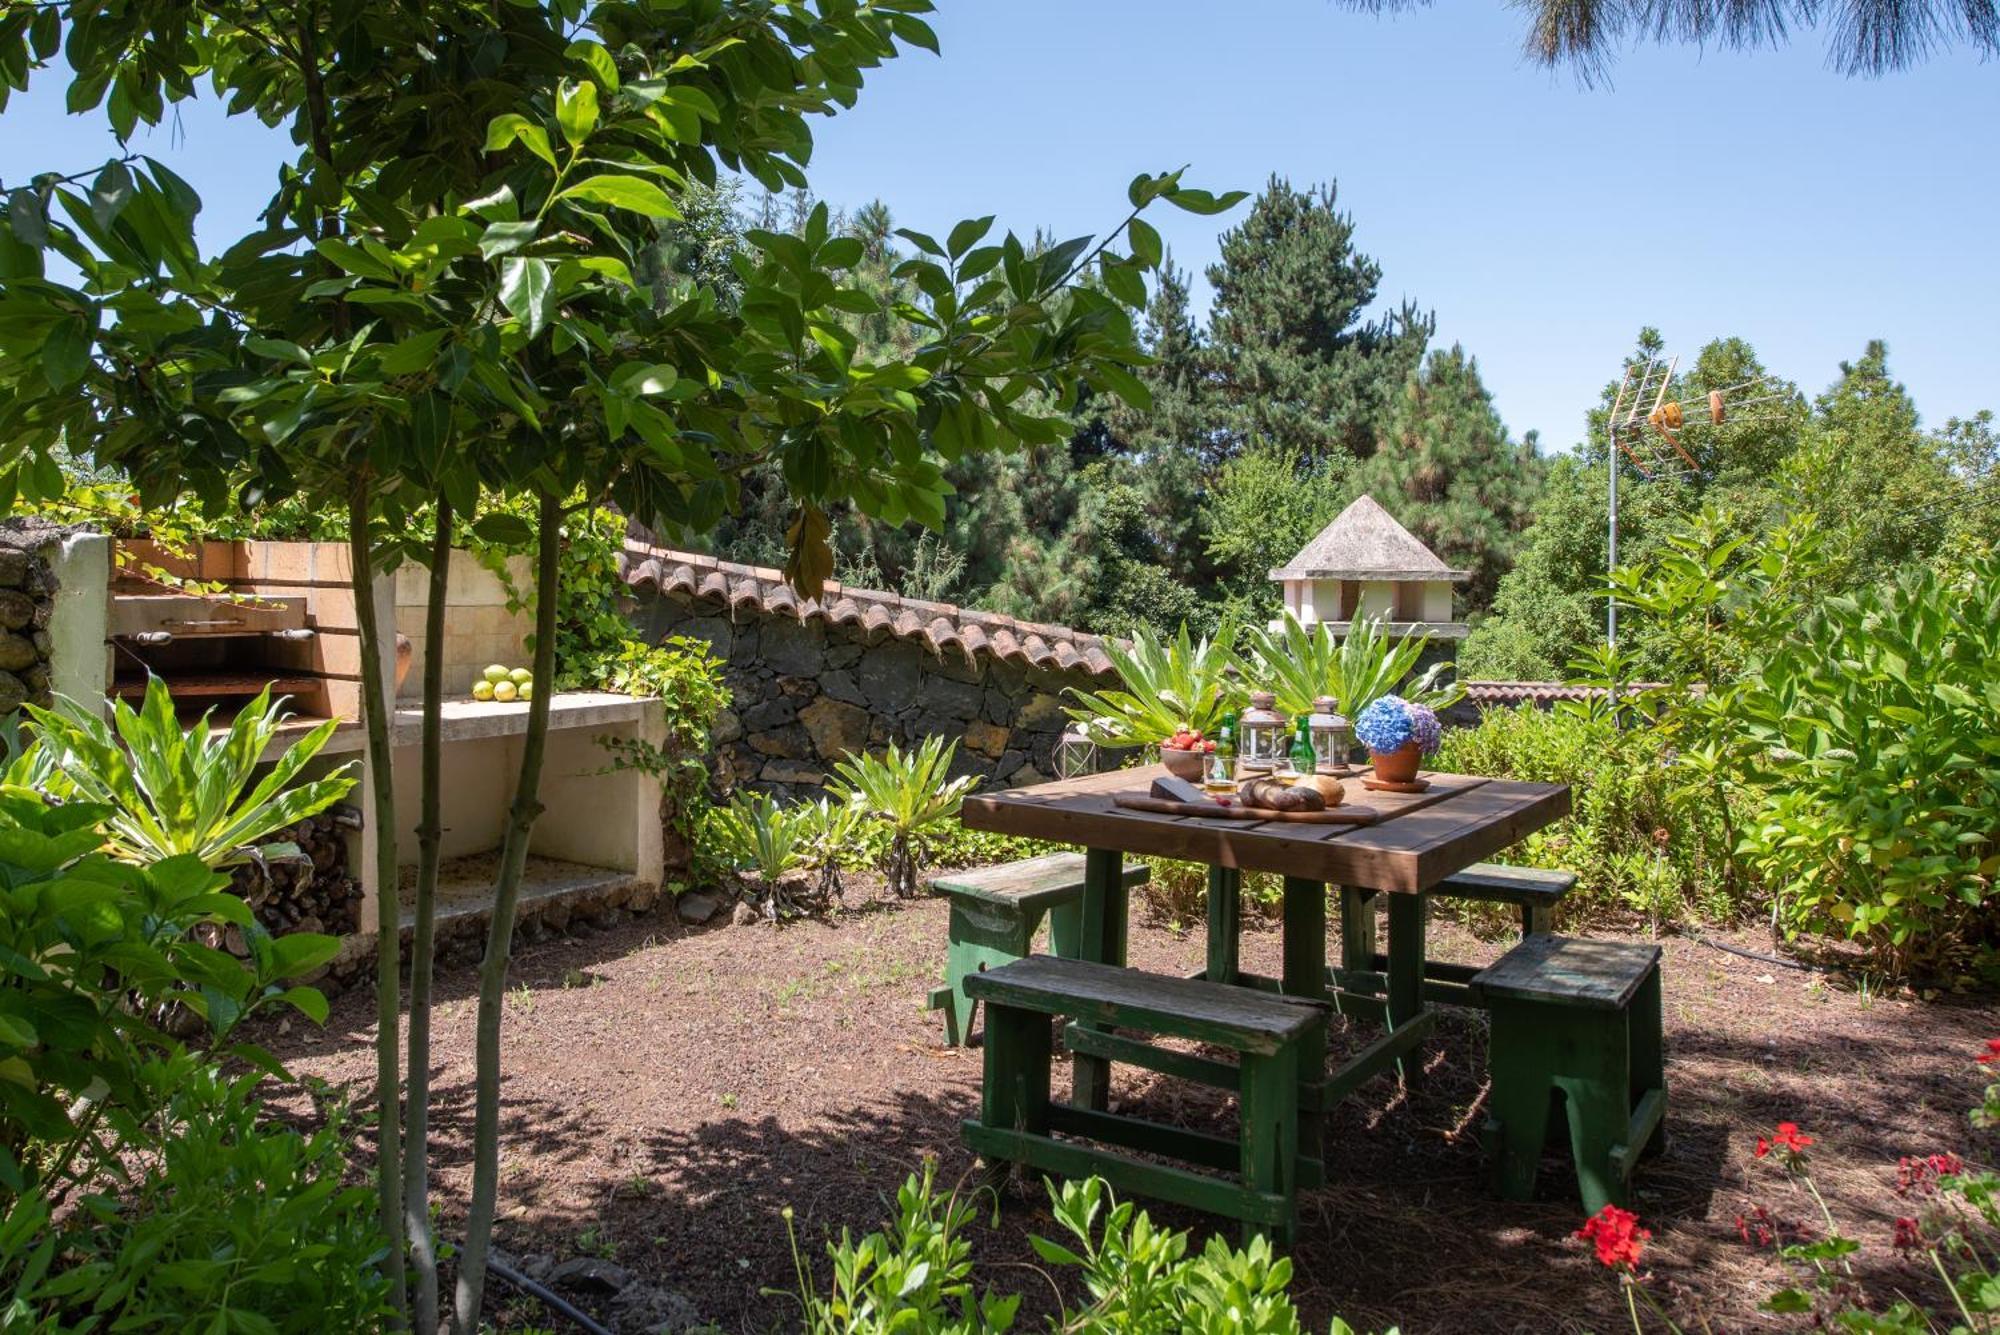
(430, 841)
(500, 932)
(388, 917)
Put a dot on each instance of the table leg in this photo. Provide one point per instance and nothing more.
(1305, 938)
(1407, 915)
(1225, 924)
(1104, 913)
(1305, 976)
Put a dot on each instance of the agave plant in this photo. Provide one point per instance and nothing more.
(832, 836)
(174, 792)
(1301, 663)
(754, 834)
(909, 791)
(1169, 684)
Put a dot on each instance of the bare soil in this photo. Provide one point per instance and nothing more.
(669, 1091)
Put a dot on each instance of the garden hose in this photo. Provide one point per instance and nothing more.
(543, 1292)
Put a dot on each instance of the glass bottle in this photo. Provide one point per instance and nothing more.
(1304, 760)
(1222, 764)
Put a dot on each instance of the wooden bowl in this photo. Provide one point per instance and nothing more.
(1182, 764)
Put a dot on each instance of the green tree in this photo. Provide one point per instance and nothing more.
(1291, 353)
(1445, 467)
(1865, 37)
(443, 306)
(1264, 505)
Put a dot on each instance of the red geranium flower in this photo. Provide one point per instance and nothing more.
(1786, 1138)
(1921, 1175)
(1992, 1053)
(1908, 1237)
(1618, 1237)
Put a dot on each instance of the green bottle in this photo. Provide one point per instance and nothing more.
(1222, 765)
(1304, 759)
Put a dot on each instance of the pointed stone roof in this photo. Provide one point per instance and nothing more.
(1365, 542)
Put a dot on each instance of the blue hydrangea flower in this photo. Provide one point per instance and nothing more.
(1385, 725)
(1424, 728)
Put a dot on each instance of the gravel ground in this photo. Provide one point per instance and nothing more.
(669, 1091)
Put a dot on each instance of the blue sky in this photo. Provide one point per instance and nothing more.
(1708, 193)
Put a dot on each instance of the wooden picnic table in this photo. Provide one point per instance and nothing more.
(1414, 842)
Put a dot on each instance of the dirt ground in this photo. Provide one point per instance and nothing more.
(668, 1091)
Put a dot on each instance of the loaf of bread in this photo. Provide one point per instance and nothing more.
(1268, 795)
(1328, 787)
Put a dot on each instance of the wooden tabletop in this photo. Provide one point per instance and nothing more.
(1416, 842)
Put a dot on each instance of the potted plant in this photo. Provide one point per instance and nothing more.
(1175, 695)
(1398, 735)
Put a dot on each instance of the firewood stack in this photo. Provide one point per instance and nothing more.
(314, 895)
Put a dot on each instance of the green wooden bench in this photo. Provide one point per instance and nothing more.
(1575, 1023)
(1280, 1043)
(1533, 890)
(995, 915)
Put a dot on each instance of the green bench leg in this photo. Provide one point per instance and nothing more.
(981, 937)
(1270, 1135)
(1066, 930)
(1304, 975)
(1103, 940)
(1225, 924)
(1014, 1096)
(1536, 918)
(1649, 1058)
(1601, 1071)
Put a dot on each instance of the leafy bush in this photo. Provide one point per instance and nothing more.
(759, 836)
(917, 1274)
(1168, 685)
(222, 1220)
(1301, 663)
(1637, 836)
(169, 791)
(140, 1189)
(911, 794)
(1859, 733)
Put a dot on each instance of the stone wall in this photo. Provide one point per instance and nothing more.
(808, 693)
(27, 604)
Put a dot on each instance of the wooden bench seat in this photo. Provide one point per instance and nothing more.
(1281, 1043)
(1534, 890)
(1579, 1019)
(996, 913)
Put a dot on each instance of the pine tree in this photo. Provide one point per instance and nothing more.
(1289, 351)
(1444, 466)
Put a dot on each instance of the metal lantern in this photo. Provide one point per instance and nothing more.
(1332, 737)
(1262, 740)
(1075, 754)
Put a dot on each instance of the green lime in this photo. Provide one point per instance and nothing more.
(504, 691)
(496, 672)
(520, 676)
(525, 691)
(482, 689)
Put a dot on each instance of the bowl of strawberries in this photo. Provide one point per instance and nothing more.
(1184, 753)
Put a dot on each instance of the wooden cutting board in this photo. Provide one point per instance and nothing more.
(1331, 816)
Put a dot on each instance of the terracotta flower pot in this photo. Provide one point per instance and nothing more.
(1182, 764)
(1399, 765)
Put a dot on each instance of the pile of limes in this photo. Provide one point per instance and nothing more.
(505, 684)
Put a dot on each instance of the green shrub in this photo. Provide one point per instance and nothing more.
(911, 793)
(917, 1274)
(1177, 892)
(1636, 837)
(1858, 734)
(1301, 663)
(169, 791)
(219, 1219)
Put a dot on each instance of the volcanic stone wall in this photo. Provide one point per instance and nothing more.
(27, 602)
(807, 693)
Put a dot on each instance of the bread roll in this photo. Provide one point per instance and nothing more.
(1267, 795)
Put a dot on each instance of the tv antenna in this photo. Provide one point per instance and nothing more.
(1662, 436)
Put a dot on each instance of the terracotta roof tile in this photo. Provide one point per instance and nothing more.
(938, 626)
(1500, 694)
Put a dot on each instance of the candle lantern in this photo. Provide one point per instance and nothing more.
(1075, 754)
(1261, 738)
(1332, 737)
